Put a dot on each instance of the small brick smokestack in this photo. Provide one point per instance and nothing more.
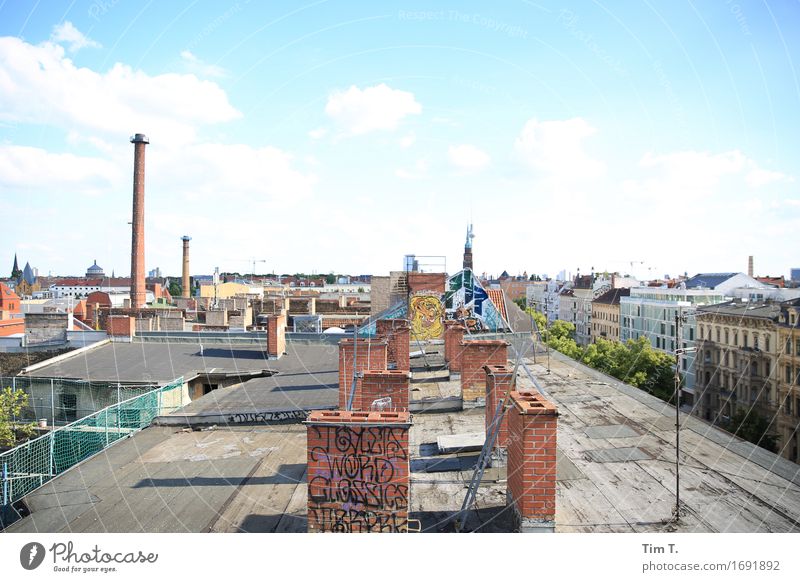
(750, 266)
(138, 292)
(186, 282)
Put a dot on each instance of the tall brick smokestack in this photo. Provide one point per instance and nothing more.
(750, 266)
(138, 292)
(185, 283)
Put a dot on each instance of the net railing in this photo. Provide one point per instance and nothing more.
(61, 401)
(30, 465)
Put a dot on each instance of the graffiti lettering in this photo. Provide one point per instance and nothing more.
(363, 471)
(262, 417)
(327, 519)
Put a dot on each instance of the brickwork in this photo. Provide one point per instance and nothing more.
(475, 354)
(276, 335)
(120, 325)
(532, 427)
(370, 355)
(377, 384)
(433, 282)
(499, 381)
(453, 334)
(397, 334)
(358, 471)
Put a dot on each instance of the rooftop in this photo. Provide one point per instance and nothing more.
(742, 309)
(615, 471)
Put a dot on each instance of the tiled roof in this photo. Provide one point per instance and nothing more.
(497, 297)
(612, 297)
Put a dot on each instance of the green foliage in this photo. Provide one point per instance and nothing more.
(521, 303)
(754, 428)
(11, 404)
(175, 288)
(330, 278)
(634, 362)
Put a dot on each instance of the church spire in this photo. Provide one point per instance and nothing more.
(468, 248)
(15, 272)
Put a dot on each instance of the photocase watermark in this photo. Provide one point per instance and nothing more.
(736, 10)
(100, 8)
(66, 558)
(510, 30)
(31, 555)
(570, 21)
(678, 112)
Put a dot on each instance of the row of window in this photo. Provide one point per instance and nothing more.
(706, 333)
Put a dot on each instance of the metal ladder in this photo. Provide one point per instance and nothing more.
(483, 462)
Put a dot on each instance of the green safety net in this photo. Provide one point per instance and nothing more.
(32, 464)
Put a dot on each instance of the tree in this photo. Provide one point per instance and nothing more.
(521, 303)
(330, 278)
(175, 288)
(11, 404)
(754, 428)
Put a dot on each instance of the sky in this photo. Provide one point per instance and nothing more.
(652, 137)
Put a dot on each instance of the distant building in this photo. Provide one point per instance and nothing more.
(737, 361)
(95, 271)
(651, 311)
(795, 275)
(723, 282)
(605, 314)
(789, 380)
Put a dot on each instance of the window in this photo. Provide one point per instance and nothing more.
(726, 335)
(755, 341)
(767, 368)
(766, 343)
(736, 338)
(797, 348)
(788, 374)
(691, 334)
(717, 335)
(744, 339)
(788, 346)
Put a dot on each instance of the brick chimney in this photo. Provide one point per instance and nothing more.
(138, 292)
(185, 283)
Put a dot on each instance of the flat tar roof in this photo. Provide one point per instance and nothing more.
(616, 473)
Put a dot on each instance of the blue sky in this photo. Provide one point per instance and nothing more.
(343, 135)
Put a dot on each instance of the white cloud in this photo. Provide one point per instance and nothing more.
(378, 108)
(67, 33)
(758, 177)
(39, 85)
(467, 158)
(555, 149)
(420, 170)
(407, 140)
(200, 67)
(318, 133)
(698, 175)
(34, 170)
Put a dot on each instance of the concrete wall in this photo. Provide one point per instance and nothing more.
(45, 327)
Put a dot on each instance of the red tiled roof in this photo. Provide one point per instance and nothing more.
(497, 297)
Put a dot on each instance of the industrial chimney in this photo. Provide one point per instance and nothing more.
(750, 266)
(185, 286)
(138, 291)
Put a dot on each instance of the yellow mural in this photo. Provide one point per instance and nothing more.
(427, 317)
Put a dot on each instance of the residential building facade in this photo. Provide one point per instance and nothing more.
(605, 314)
(737, 357)
(789, 380)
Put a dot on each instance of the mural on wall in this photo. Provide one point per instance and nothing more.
(427, 317)
(467, 301)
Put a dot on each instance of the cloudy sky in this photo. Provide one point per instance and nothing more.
(339, 136)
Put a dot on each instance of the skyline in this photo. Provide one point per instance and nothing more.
(337, 137)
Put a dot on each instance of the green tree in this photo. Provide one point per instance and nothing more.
(330, 278)
(754, 428)
(521, 303)
(11, 404)
(175, 288)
